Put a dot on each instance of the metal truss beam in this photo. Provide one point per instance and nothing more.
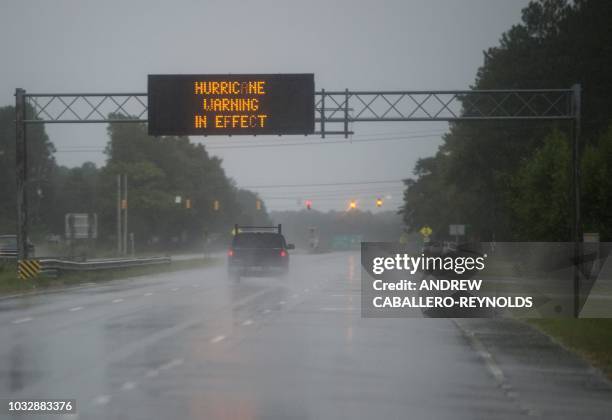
(344, 107)
(334, 107)
(86, 108)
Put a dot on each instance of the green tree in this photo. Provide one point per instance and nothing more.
(472, 178)
(41, 166)
(597, 186)
(540, 193)
(160, 169)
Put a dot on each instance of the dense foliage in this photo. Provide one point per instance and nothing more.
(511, 181)
(158, 171)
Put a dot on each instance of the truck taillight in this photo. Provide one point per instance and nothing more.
(230, 252)
(283, 253)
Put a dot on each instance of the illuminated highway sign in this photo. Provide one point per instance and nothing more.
(214, 104)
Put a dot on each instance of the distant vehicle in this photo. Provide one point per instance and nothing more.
(258, 250)
(8, 247)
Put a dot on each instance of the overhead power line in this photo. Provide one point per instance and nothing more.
(361, 198)
(323, 142)
(325, 192)
(391, 181)
(285, 143)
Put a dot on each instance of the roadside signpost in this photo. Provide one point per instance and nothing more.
(81, 226)
(28, 269)
(426, 232)
(456, 231)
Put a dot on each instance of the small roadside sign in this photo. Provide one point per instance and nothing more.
(426, 231)
(456, 230)
(81, 225)
(27, 269)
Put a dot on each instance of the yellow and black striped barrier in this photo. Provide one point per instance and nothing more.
(28, 269)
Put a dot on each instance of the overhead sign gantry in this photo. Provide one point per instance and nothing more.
(286, 104)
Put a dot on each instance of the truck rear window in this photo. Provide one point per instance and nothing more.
(258, 240)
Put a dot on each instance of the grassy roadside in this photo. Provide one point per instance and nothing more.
(10, 284)
(591, 338)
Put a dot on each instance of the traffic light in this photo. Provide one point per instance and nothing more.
(258, 204)
(352, 205)
(216, 205)
(188, 203)
(309, 204)
(379, 202)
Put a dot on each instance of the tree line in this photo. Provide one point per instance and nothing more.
(511, 180)
(158, 171)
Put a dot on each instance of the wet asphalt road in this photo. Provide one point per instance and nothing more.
(193, 345)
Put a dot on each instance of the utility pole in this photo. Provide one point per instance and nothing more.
(21, 152)
(119, 239)
(125, 214)
(132, 250)
(577, 100)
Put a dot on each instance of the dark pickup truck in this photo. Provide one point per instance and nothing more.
(258, 250)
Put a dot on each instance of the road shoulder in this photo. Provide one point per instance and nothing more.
(546, 379)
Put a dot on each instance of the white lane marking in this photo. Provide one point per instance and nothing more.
(172, 363)
(152, 373)
(282, 302)
(175, 289)
(247, 322)
(481, 350)
(295, 295)
(117, 300)
(306, 290)
(76, 308)
(195, 285)
(217, 339)
(148, 294)
(266, 311)
(102, 399)
(127, 386)
(22, 320)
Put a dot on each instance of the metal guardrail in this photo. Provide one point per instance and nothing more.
(52, 266)
(8, 255)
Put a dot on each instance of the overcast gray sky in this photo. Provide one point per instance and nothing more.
(110, 46)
